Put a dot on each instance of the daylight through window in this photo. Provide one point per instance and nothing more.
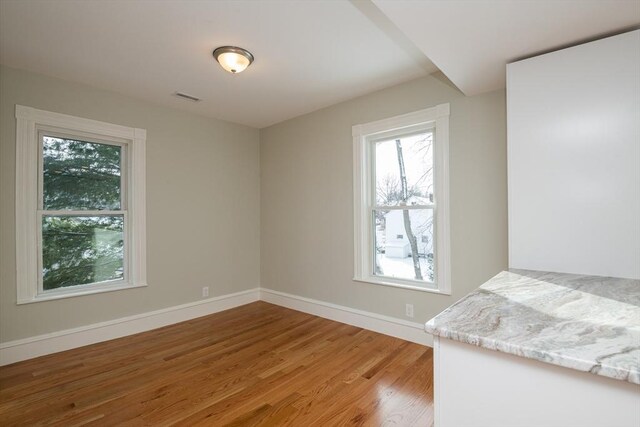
(80, 206)
(403, 212)
(83, 214)
(401, 201)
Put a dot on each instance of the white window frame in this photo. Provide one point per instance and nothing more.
(30, 125)
(364, 136)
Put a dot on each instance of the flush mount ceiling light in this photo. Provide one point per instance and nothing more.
(233, 59)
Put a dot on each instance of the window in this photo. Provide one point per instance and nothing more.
(80, 206)
(401, 224)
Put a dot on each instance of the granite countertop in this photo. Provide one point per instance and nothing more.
(587, 323)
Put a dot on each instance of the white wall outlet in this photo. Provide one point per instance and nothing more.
(205, 292)
(409, 310)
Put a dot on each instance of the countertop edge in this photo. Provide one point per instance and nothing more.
(445, 324)
(557, 359)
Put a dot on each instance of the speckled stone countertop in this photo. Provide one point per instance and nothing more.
(587, 323)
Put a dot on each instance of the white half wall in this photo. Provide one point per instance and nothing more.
(574, 159)
(479, 387)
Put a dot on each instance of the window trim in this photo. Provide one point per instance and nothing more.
(30, 123)
(364, 135)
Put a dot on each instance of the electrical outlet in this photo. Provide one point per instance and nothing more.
(409, 310)
(205, 292)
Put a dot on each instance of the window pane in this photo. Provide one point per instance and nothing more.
(77, 250)
(80, 175)
(404, 170)
(404, 244)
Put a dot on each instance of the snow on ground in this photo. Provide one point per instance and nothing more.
(401, 267)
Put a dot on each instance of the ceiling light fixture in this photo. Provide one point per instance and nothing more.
(233, 59)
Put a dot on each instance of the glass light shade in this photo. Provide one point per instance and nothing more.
(233, 59)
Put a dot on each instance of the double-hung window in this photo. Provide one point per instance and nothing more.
(79, 206)
(401, 201)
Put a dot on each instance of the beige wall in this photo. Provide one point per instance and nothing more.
(214, 187)
(307, 207)
(203, 205)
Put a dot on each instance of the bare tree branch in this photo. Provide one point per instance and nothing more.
(415, 256)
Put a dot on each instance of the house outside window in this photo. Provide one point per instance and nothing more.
(401, 201)
(80, 206)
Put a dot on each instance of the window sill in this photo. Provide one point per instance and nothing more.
(388, 282)
(77, 293)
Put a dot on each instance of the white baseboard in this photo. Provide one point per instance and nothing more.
(28, 348)
(409, 331)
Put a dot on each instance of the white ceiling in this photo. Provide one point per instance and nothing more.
(308, 54)
(471, 41)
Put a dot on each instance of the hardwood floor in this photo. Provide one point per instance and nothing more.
(258, 364)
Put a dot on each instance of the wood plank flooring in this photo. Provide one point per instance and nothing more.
(255, 365)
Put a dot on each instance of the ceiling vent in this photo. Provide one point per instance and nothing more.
(187, 97)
